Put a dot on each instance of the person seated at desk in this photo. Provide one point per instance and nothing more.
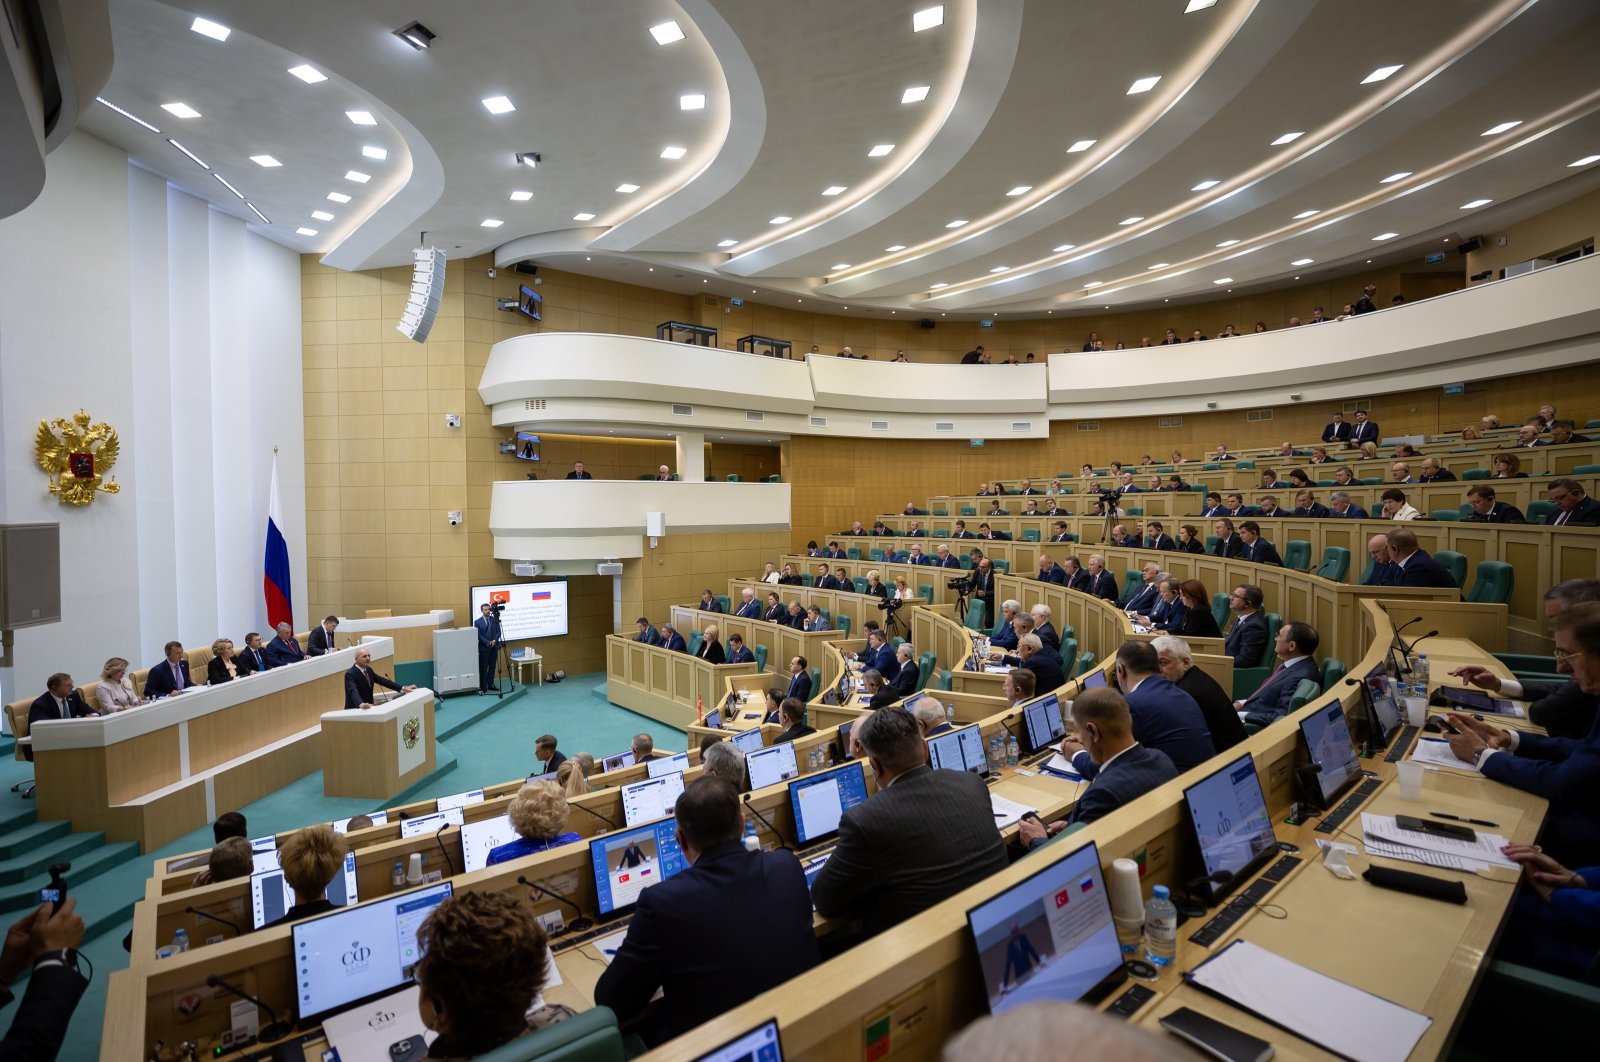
(774, 697)
(1157, 537)
(310, 858)
(1256, 548)
(1076, 578)
(578, 472)
(360, 679)
(916, 556)
(799, 681)
(835, 552)
(878, 692)
(703, 972)
(170, 677)
(1295, 646)
(749, 607)
(1169, 611)
(671, 640)
(539, 814)
(1229, 544)
(1306, 505)
(792, 717)
(643, 748)
(284, 648)
(930, 717)
(1018, 686)
(1555, 922)
(571, 779)
(1043, 628)
(724, 760)
(1395, 506)
(222, 667)
(711, 650)
(230, 858)
(254, 656)
(1574, 508)
(906, 674)
(824, 579)
(320, 641)
(647, 632)
(814, 621)
(61, 700)
(1345, 509)
(1197, 620)
(1004, 635)
(1061, 533)
(1189, 540)
(875, 587)
(1124, 768)
(709, 602)
(484, 960)
(775, 611)
(924, 836)
(1045, 663)
(1148, 593)
(550, 758)
(1345, 476)
(789, 577)
(1563, 709)
(1382, 573)
(961, 530)
(1485, 510)
(1178, 667)
(769, 574)
(738, 652)
(1247, 637)
(114, 693)
(1034, 1032)
(1098, 581)
(1412, 565)
(878, 655)
(1165, 719)
(795, 616)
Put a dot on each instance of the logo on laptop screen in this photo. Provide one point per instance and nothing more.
(357, 959)
(1062, 897)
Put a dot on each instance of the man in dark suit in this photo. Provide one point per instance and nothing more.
(1363, 430)
(1229, 544)
(1573, 506)
(647, 632)
(578, 472)
(360, 679)
(961, 531)
(1485, 510)
(284, 647)
(824, 579)
(1061, 532)
(1165, 718)
(1156, 537)
(1048, 671)
(1042, 627)
(738, 652)
(792, 717)
(488, 627)
(916, 556)
(749, 607)
(320, 641)
(672, 640)
(1216, 706)
(1004, 635)
(879, 656)
(799, 680)
(945, 558)
(1027, 487)
(1247, 638)
(915, 531)
(709, 602)
(47, 940)
(1434, 472)
(548, 756)
(1306, 504)
(814, 621)
(1077, 578)
(1098, 581)
(1336, 432)
(1125, 769)
(904, 683)
(667, 948)
(253, 657)
(1413, 566)
(1147, 594)
(983, 588)
(1295, 647)
(912, 510)
(923, 837)
(835, 552)
(1050, 571)
(1255, 547)
(170, 676)
(1345, 509)
(61, 700)
(1382, 572)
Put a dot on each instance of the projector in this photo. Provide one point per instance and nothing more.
(608, 568)
(527, 569)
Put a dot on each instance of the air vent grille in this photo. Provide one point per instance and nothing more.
(1170, 422)
(1088, 425)
(1022, 425)
(1258, 415)
(751, 414)
(944, 425)
(880, 425)
(533, 405)
(682, 411)
(819, 422)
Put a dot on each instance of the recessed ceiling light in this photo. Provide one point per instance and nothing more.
(583, 215)
(1081, 145)
(1131, 221)
(667, 32)
(530, 159)
(1198, 5)
(1501, 128)
(727, 243)
(1223, 280)
(417, 35)
(499, 105)
(957, 223)
(491, 223)
(1203, 185)
(927, 18)
(521, 196)
(936, 287)
(999, 269)
(1302, 262)
(833, 189)
(375, 152)
(1380, 237)
(1383, 73)
(361, 117)
(915, 94)
(1094, 284)
(1063, 247)
(357, 176)
(879, 151)
(180, 110)
(338, 197)
(196, 158)
(215, 30)
(1586, 160)
(841, 265)
(1021, 189)
(692, 101)
(264, 219)
(1144, 84)
(266, 161)
(1393, 177)
(303, 231)
(322, 215)
(134, 118)
(228, 186)
(894, 247)
(307, 73)
(1159, 265)
(781, 219)
(1227, 243)
(1288, 138)
(674, 152)
(1306, 214)
(627, 189)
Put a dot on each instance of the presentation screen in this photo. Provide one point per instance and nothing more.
(532, 610)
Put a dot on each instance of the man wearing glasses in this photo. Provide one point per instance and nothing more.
(1574, 508)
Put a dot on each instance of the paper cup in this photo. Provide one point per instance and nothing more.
(1416, 710)
(1410, 779)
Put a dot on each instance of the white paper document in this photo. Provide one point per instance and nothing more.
(1432, 750)
(1484, 849)
(1006, 812)
(1421, 855)
(369, 1031)
(608, 946)
(1061, 767)
(1327, 1012)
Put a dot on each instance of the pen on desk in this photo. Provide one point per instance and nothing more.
(1459, 818)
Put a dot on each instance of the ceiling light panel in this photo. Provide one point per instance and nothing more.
(357, 176)
(1205, 184)
(1585, 161)
(879, 151)
(894, 247)
(1021, 189)
(265, 161)
(1302, 261)
(674, 152)
(361, 117)
(521, 197)
(1306, 214)
(915, 94)
(199, 162)
(583, 215)
(1288, 138)
(491, 223)
(135, 118)
(303, 231)
(928, 18)
(957, 223)
(1476, 203)
(375, 152)
(1198, 5)
(206, 28)
(1383, 73)
(667, 32)
(1227, 243)
(338, 197)
(228, 186)
(1503, 127)
(322, 215)
(1131, 221)
(692, 101)
(1382, 236)
(307, 73)
(781, 219)
(627, 189)
(499, 105)
(180, 110)
(1081, 145)
(1144, 84)
(834, 189)
(1393, 177)
(727, 243)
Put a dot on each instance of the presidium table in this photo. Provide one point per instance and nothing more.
(154, 773)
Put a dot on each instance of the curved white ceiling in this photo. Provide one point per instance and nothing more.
(796, 96)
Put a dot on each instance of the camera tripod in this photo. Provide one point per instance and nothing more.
(503, 674)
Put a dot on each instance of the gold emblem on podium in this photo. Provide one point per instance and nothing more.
(76, 454)
(410, 730)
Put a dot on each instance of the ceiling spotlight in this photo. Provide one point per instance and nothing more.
(1496, 130)
(322, 215)
(879, 151)
(674, 152)
(927, 18)
(303, 231)
(693, 101)
(357, 176)
(1380, 237)
(1159, 265)
(309, 74)
(521, 196)
(1585, 161)
(499, 105)
(583, 215)
(999, 269)
(1227, 243)
(781, 219)
(841, 265)
(1131, 221)
(727, 243)
(936, 287)
(1063, 247)
(894, 247)
(375, 152)
(133, 118)
(1198, 5)
(1393, 177)
(1144, 84)
(833, 189)
(1081, 145)
(1302, 262)
(417, 35)
(916, 94)
(1203, 185)
(338, 197)
(215, 30)
(1021, 189)
(957, 223)
(627, 189)
(198, 162)
(1288, 138)
(1094, 284)
(265, 161)
(361, 117)
(667, 32)
(1223, 280)
(1383, 73)
(529, 159)
(1306, 214)
(491, 223)
(180, 110)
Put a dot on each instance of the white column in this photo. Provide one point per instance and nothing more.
(692, 456)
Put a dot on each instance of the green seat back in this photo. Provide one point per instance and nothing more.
(875, 553)
(816, 681)
(1134, 510)
(925, 664)
(966, 561)
(827, 617)
(1335, 563)
(974, 617)
(588, 1036)
(842, 624)
(942, 532)
(1211, 543)
(1454, 563)
(1585, 470)
(969, 510)
(760, 652)
(941, 512)
(1306, 692)
(734, 477)
(1332, 671)
(859, 582)
(1370, 481)
(1085, 661)
(1246, 680)
(1592, 423)
(1069, 656)
(1538, 510)
(1219, 609)
(1269, 653)
(1463, 449)
(1297, 555)
(1464, 509)
(1132, 583)
(1030, 534)
(774, 479)
(1001, 565)
(946, 680)
(1327, 483)
(1210, 466)
(647, 476)
(696, 639)
(1445, 514)
(853, 552)
(1249, 466)
(807, 579)
(1494, 582)
(1475, 473)
(727, 605)
(896, 642)
(925, 591)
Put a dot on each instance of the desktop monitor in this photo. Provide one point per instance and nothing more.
(1384, 712)
(617, 762)
(651, 799)
(263, 854)
(1042, 724)
(378, 818)
(360, 953)
(772, 765)
(459, 800)
(959, 750)
(421, 824)
(527, 446)
(1333, 753)
(480, 838)
(271, 896)
(844, 739)
(1050, 937)
(668, 765)
(730, 706)
(760, 1044)
(747, 741)
(713, 719)
(820, 800)
(1093, 680)
(629, 861)
(1229, 815)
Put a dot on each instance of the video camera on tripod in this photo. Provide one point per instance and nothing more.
(890, 604)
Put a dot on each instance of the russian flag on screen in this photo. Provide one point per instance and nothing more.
(542, 595)
(275, 581)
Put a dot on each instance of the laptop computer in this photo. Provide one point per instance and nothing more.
(361, 952)
(959, 750)
(629, 861)
(747, 741)
(771, 765)
(1333, 753)
(651, 799)
(668, 765)
(271, 896)
(1228, 813)
(480, 838)
(760, 1044)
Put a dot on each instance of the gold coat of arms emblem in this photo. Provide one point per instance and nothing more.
(410, 731)
(76, 455)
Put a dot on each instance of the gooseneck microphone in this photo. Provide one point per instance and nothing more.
(767, 823)
(577, 925)
(1409, 649)
(208, 915)
(276, 1030)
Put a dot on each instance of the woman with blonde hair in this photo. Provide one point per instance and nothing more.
(539, 814)
(114, 692)
(711, 650)
(221, 668)
(901, 590)
(310, 860)
(875, 585)
(570, 777)
(1469, 434)
(1369, 450)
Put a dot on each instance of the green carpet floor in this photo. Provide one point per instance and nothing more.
(491, 741)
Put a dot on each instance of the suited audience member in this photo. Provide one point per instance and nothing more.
(1124, 768)
(488, 627)
(222, 667)
(1004, 635)
(114, 692)
(671, 640)
(1485, 510)
(1247, 638)
(876, 689)
(1148, 592)
(1043, 628)
(667, 949)
(930, 717)
(1255, 548)
(722, 759)
(711, 650)
(550, 758)
(1157, 537)
(1337, 431)
(982, 580)
(1198, 621)
(1295, 647)
(320, 641)
(1228, 542)
(709, 602)
(775, 611)
(1412, 565)
(1507, 466)
(800, 678)
(1395, 506)
(1434, 472)
(1176, 661)
(310, 859)
(1169, 612)
(485, 959)
(1050, 571)
(1573, 506)
(1049, 672)
(1306, 504)
(1099, 582)
(1363, 430)
(792, 717)
(1344, 508)
(1018, 686)
(1563, 432)
(1164, 717)
(230, 858)
(1382, 572)
(1189, 540)
(1555, 921)
(738, 652)
(814, 621)
(171, 676)
(578, 472)
(906, 675)
(253, 657)
(924, 836)
(61, 700)
(647, 632)
(44, 944)
(749, 607)
(539, 814)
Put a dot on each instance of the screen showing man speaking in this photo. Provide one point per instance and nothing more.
(531, 610)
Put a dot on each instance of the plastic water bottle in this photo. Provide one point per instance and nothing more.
(752, 840)
(1011, 751)
(1160, 927)
(950, 712)
(180, 942)
(398, 878)
(996, 757)
(1420, 672)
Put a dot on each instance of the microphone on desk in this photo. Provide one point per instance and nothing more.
(213, 918)
(276, 1030)
(591, 811)
(1409, 649)
(1401, 667)
(577, 925)
(767, 823)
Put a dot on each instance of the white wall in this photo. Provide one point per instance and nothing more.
(181, 328)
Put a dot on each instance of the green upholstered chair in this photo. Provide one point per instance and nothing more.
(875, 553)
(760, 652)
(853, 552)
(816, 679)
(1297, 555)
(842, 623)
(1493, 583)
(943, 532)
(1475, 473)
(925, 591)
(969, 510)
(1335, 563)
(1219, 609)
(1085, 662)
(1453, 515)
(807, 579)
(925, 665)
(895, 643)
(734, 477)
(974, 618)
(646, 476)
(941, 512)
(774, 479)
(1585, 470)
(1306, 692)
(1211, 466)
(1069, 657)
(1536, 996)
(727, 605)
(1333, 670)
(1132, 583)
(946, 680)
(1248, 466)
(1538, 510)
(1327, 483)
(1030, 534)
(1454, 563)
(1211, 543)
(696, 639)
(1592, 423)
(589, 1036)
(825, 616)
(859, 582)
(1134, 510)
(1003, 566)
(1246, 680)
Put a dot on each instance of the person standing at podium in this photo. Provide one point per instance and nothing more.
(360, 679)
(488, 625)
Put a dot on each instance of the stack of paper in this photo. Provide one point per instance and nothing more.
(1385, 837)
(1006, 812)
(1437, 751)
(1061, 767)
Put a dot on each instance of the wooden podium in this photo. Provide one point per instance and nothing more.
(377, 752)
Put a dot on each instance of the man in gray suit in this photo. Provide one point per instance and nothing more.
(923, 837)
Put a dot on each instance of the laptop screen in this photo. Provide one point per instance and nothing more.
(1333, 753)
(271, 896)
(416, 827)
(820, 800)
(263, 853)
(747, 741)
(629, 861)
(668, 765)
(1042, 723)
(758, 1045)
(1381, 696)
(714, 719)
(360, 953)
(1229, 814)
(651, 799)
(959, 750)
(1048, 938)
(480, 838)
(772, 765)
(459, 800)
(618, 762)
(1094, 679)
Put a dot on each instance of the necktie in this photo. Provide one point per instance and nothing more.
(65, 714)
(177, 678)
(1561, 519)
(258, 659)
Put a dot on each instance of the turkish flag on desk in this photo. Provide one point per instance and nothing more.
(275, 581)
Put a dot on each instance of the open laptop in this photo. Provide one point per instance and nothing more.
(421, 824)
(819, 801)
(361, 952)
(760, 1044)
(1383, 713)
(1333, 753)
(668, 765)
(713, 719)
(1229, 815)
(629, 861)
(263, 853)
(1093, 680)
(651, 799)
(271, 896)
(959, 750)
(617, 762)
(747, 741)
(771, 765)
(480, 838)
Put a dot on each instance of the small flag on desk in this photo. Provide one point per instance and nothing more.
(700, 709)
(275, 582)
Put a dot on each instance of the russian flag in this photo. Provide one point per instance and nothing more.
(275, 583)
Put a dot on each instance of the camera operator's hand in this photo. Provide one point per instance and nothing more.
(17, 954)
(57, 930)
